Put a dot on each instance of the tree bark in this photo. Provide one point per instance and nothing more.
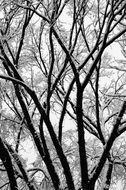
(48, 162)
(6, 159)
(21, 167)
(81, 141)
(108, 177)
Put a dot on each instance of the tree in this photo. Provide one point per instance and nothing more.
(54, 91)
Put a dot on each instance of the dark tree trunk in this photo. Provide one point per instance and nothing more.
(21, 167)
(108, 177)
(47, 160)
(6, 159)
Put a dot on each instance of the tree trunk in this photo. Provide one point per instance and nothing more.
(21, 167)
(108, 177)
(6, 159)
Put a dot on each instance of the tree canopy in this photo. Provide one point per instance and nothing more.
(62, 93)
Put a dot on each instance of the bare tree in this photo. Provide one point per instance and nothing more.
(53, 79)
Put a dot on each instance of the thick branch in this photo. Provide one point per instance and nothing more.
(6, 159)
(109, 144)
